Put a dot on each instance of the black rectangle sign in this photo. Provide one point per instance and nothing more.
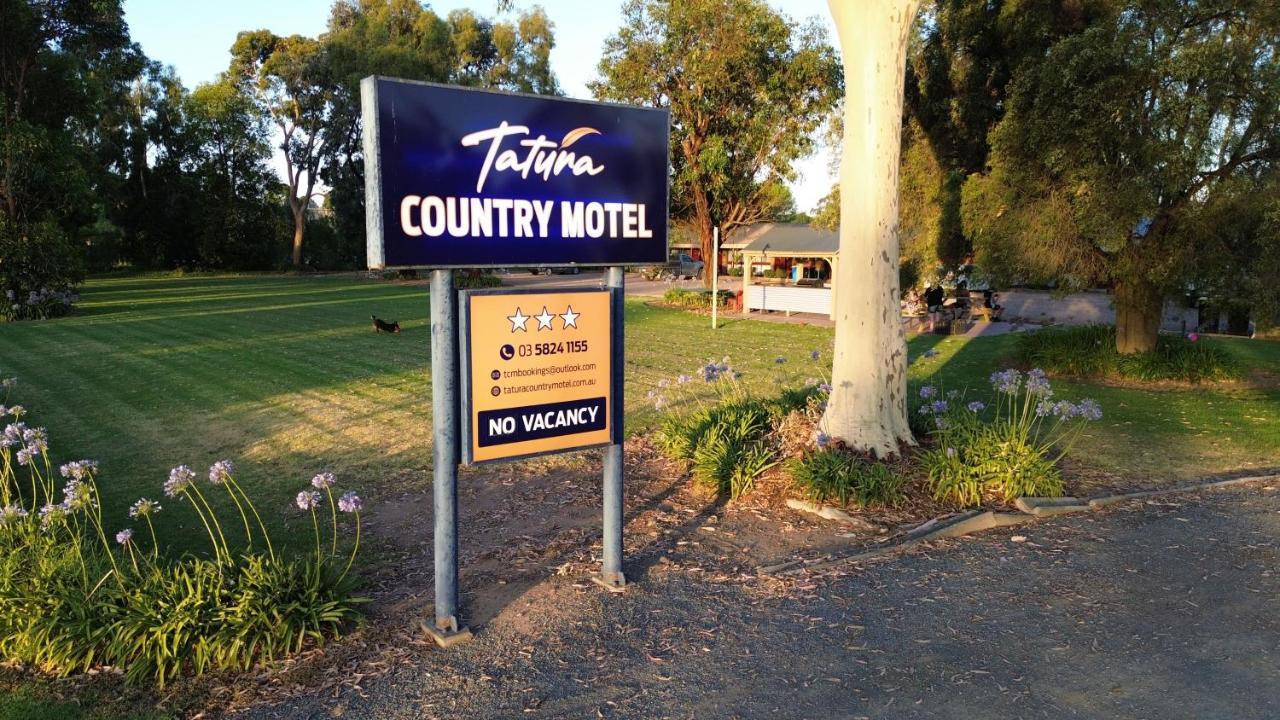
(534, 422)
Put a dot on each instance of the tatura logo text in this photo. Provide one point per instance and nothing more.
(532, 158)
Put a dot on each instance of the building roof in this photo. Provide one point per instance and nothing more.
(788, 240)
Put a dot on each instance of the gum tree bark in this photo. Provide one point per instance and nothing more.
(867, 409)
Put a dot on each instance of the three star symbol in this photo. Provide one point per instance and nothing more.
(519, 321)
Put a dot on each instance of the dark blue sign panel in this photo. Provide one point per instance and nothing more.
(458, 177)
(535, 422)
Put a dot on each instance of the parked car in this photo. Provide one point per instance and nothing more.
(684, 266)
(571, 270)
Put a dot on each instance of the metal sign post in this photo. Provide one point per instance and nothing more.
(611, 576)
(444, 482)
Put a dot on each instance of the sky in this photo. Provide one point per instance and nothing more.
(195, 39)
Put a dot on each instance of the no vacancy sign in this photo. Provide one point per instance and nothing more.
(537, 372)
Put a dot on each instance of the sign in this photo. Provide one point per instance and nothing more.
(459, 177)
(537, 372)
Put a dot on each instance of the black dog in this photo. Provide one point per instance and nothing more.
(384, 326)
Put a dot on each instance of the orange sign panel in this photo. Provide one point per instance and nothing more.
(537, 372)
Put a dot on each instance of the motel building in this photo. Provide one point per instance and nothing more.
(791, 266)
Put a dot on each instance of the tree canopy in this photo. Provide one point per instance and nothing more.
(746, 86)
(1117, 142)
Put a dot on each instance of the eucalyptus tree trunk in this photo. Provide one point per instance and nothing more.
(867, 409)
(1139, 306)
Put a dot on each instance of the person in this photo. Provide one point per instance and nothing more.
(990, 302)
(933, 298)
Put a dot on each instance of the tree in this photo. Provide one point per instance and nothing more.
(401, 38)
(64, 67)
(295, 87)
(867, 408)
(1116, 142)
(746, 88)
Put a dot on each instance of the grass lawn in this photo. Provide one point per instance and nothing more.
(285, 376)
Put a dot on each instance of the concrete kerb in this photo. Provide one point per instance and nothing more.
(978, 521)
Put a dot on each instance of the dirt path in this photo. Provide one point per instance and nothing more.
(1164, 609)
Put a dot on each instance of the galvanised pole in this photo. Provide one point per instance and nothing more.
(611, 575)
(444, 420)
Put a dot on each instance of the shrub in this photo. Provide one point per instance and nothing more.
(694, 299)
(1008, 450)
(472, 279)
(1090, 351)
(71, 599)
(831, 474)
(40, 268)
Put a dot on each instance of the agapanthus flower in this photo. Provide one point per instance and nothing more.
(951, 452)
(9, 383)
(11, 513)
(977, 406)
(812, 382)
(814, 355)
(323, 480)
(26, 455)
(350, 502)
(17, 411)
(308, 499)
(1007, 381)
(682, 379)
(1045, 408)
(179, 479)
(125, 536)
(928, 391)
(220, 471)
(821, 439)
(50, 514)
(79, 469)
(76, 495)
(144, 508)
(13, 433)
(1089, 409)
(1038, 384)
(940, 423)
(825, 387)
(663, 383)
(938, 406)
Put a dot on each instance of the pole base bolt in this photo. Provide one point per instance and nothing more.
(613, 582)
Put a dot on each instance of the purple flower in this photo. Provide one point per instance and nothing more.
(940, 423)
(938, 406)
(11, 514)
(814, 355)
(825, 387)
(951, 452)
(1038, 384)
(50, 514)
(1044, 408)
(1089, 409)
(682, 379)
(76, 495)
(664, 383)
(928, 391)
(79, 469)
(779, 360)
(25, 455)
(350, 502)
(144, 508)
(13, 433)
(1007, 381)
(125, 536)
(17, 411)
(323, 480)
(220, 471)
(822, 440)
(179, 479)
(977, 406)
(308, 499)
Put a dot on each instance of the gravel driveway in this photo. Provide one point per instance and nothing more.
(1161, 609)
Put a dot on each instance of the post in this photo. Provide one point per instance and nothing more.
(611, 577)
(715, 276)
(445, 629)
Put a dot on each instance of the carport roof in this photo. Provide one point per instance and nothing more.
(790, 240)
